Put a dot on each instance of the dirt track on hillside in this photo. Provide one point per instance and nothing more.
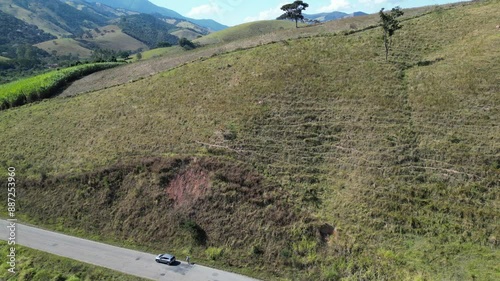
(135, 71)
(129, 73)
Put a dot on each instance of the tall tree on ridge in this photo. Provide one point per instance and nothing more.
(293, 11)
(390, 24)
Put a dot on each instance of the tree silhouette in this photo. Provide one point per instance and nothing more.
(293, 11)
(390, 24)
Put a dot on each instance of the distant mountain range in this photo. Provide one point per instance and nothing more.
(76, 27)
(146, 7)
(332, 16)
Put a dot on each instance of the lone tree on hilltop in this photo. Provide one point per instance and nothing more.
(293, 11)
(390, 24)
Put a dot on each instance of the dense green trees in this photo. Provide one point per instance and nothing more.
(148, 29)
(102, 55)
(15, 32)
(63, 15)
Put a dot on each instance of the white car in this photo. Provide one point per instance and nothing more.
(165, 258)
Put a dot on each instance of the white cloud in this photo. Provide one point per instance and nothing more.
(269, 14)
(336, 5)
(205, 10)
(371, 2)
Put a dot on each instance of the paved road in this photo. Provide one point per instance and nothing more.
(119, 259)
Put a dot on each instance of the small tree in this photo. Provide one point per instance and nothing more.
(186, 44)
(390, 24)
(138, 56)
(293, 11)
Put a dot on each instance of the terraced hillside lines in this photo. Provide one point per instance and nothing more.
(310, 131)
(45, 85)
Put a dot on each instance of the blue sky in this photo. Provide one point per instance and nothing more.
(233, 12)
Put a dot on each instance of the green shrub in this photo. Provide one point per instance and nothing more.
(214, 253)
(330, 273)
(73, 278)
(186, 44)
(197, 233)
(59, 277)
(257, 250)
(27, 274)
(42, 275)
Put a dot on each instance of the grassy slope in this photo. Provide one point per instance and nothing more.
(35, 265)
(401, 157)
(161, 52)
(186, 33)
(173, 58)
(187, 24)
(112, 37)
(269, 30)
(109, 37)
(245, 30)
(65, 46)
(4, 58)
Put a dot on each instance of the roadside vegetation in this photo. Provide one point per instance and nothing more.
(45, 85)
(310, 157)
(33, 265)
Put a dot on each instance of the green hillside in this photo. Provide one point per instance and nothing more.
(305, 159)
(244, 31)
(14, 8)
(57, 14)
(107, 37)
(273, 30)
(16, 32)
(162, 52)
(64, 47)
(186, 33)
(112, 37)
(147, 29)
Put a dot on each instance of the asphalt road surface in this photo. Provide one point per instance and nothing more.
(116, 258)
